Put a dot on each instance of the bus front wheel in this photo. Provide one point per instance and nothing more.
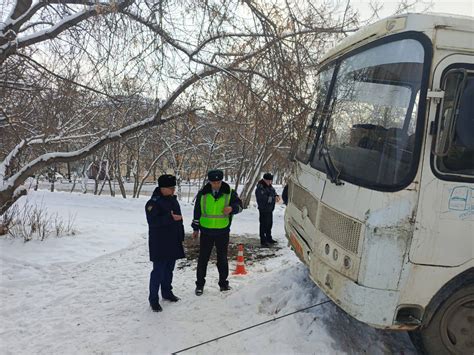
(451, 329)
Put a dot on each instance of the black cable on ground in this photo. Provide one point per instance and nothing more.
(252, 326)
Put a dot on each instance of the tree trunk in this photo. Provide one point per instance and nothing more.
(102, 186)
(241, 167)
(73, 183)
(112, 190)
(8, 197)
(253, 176)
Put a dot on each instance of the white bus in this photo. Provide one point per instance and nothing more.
(381, 195)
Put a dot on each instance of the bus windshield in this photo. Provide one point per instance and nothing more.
(372, 113)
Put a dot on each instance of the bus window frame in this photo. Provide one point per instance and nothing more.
(427, 45)
(433, 158)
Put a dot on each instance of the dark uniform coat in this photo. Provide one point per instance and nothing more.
(165, 235)
(266, 196)
(284, 195)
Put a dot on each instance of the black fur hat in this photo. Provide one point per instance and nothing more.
(166, 181)
(215, 175)
(268, 176)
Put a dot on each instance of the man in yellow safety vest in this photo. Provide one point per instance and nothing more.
(215, 204)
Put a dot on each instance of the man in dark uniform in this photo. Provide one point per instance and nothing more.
(284, 195)
(165, 239)
(266, 199)
(213, 210)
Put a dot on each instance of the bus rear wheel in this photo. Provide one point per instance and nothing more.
(451, 330)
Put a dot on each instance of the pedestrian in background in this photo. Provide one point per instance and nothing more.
(215, 205)
(165, 239)
(284, 195)
(266, 199)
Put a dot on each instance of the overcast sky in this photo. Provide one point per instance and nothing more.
(458, 7)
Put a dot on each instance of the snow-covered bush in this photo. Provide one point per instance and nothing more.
(32, 221)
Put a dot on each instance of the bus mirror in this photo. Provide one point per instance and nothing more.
(453, 85)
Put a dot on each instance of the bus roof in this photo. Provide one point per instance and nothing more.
(395, 24)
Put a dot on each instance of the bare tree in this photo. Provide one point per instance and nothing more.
(116, 50)
(30, 23)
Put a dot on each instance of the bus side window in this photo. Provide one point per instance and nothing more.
(460, 157)
(465, 122)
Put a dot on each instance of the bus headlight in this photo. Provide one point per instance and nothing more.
(347, 262)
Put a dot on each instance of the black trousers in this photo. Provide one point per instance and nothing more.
(206, 243)
(266, 223)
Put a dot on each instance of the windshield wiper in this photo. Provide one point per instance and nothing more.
(331, 171)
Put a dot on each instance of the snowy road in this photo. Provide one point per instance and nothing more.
(99, 304)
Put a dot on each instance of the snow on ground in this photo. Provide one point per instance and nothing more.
(88, 294)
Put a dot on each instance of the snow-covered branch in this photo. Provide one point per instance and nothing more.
(25, 10)
(10, 184)
(142, 65)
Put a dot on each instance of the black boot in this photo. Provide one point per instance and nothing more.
(225, 288)
(156, 307)
(199, 291)
(271, 241)
(171, 297)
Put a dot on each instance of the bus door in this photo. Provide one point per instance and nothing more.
(445, 219)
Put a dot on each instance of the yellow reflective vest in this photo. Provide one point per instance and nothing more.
(212, 211)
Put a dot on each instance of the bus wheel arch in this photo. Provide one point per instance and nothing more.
(449, 319)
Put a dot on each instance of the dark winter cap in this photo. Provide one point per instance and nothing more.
(268, 176)
(215, 175)
(166, 181)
